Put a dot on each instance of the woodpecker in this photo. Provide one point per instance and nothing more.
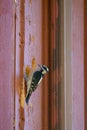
(34, 80)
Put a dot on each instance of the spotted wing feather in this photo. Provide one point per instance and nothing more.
(32, 84)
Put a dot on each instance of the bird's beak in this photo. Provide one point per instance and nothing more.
(40, 66)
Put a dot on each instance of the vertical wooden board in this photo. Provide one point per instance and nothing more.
(33, 48)
(85, 62)
(6, 65)
(78, 63)
(28, 45)
(56, 110)
(45, 60)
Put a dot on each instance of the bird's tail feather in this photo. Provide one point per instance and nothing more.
(27, 98)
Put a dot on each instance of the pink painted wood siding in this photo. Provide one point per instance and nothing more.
(6, 64)
(78, 64)
(28, 45)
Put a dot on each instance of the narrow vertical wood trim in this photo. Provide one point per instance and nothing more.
(14, 41)
(67, 65)
(61, 16)
(85, 63)
(45, 60)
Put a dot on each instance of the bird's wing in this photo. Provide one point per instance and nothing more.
(37, 77)
(32, 83)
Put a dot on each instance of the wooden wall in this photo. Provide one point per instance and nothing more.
(24, 36)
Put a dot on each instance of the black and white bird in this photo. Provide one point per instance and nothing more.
(34, 80)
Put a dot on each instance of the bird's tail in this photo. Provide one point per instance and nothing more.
(27, 98)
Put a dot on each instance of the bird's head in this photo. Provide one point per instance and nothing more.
(44, 69)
